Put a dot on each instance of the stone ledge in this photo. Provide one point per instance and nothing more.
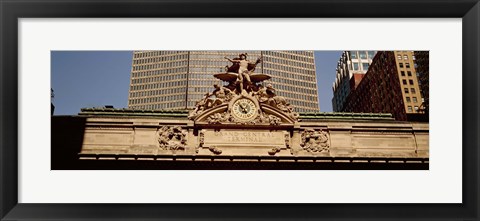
(271, 159)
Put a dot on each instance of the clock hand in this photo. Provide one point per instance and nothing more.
(243, 107)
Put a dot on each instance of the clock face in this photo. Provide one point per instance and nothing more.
(244, 109)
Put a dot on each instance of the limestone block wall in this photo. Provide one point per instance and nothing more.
(332, 138)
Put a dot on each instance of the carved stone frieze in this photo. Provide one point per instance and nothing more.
(225, 117)
(315, 141)
(172, 138)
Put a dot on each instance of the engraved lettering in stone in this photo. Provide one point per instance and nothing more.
(250, 137)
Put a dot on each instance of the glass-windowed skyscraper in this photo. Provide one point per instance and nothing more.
(177, 79)
(351, 67)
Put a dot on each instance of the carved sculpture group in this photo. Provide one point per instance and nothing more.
(172, 138)
(242, 81)
(245, 95)
(315, 141)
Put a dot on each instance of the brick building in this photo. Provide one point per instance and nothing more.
(389, 86)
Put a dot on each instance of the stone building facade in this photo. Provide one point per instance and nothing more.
(135, 139)
(241, 124)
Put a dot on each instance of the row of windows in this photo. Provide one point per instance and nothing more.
(219, 65)
(399, 57)
(181, 70)
(288, 81)
(157, 85)
(312, 98)
(201, 76)
(405, 82)
(295, 63)
(197, 82)
(405, 57)
(407, 91)
(362, 54)
(283, 87)
(306, 76)
(164, 92)
(206, 69)
(414, 99)
(407, 65)
(292, 55)
(356, 66)
(409, 109)
(170, 98)
(202, 90)
(160, 59)
(162, 78)
(298, 68)
(144, 54)
(167, 65)
(171, 105)
(219, 55)
(409, 73)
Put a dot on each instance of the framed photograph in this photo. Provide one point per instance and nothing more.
(74, 165)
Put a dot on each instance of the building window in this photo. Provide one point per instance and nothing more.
(409, 73)
(353, 55)
(406, 90)
(399, 57)
(405, 57)
(412, 90)
(414, 99)
(371, 54)
(401, 65)
(408, 99)
(407, 65)
(403, 73)
(365, 66)
(409, 108)
(363, 54)
(416, 108)
(404, 82)
(410, 81)
(355, 66)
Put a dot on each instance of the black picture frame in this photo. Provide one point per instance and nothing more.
(11, 11)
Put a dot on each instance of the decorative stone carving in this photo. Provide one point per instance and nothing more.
(273, 151)
(172, 138)
(219, 118)
(201, 140)
(215, 150)
(225, 117)
(243, 83)
(267, 95)
(315, 141)
(222, 95)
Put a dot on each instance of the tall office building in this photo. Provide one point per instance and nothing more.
(389, 86)
(177, 79)
(351, 66)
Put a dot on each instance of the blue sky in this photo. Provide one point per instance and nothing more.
(97, 78)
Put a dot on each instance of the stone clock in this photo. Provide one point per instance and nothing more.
(244, 110)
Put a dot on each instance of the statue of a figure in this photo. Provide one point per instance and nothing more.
(222, 94)
(245, 68)
(267, 95)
